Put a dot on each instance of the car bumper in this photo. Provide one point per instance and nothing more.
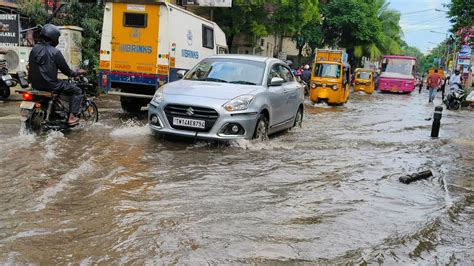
(247, 120)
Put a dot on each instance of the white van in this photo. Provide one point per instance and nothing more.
(144, 45)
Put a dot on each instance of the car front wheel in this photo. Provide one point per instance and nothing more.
(298, 118)
(261, 130)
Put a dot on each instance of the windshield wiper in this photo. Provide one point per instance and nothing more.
(213, 79)
(243, 82)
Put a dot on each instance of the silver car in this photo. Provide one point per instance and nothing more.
(228, 97)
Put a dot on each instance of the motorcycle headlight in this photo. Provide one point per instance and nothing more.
(457, 95)
(158, 97)
(239, 103)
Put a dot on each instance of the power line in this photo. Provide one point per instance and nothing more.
(426, 21)
(427, 29)
(416, 12)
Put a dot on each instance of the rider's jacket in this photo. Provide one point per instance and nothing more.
(44, 62)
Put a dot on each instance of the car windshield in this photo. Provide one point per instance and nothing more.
(363, 75)
(327, 70)
(235, 71)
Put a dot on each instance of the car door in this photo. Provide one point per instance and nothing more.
(291, 88)
(277, 97)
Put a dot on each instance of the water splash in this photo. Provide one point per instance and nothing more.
(52, 142)
(131, 128)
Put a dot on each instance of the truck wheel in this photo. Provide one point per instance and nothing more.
(130, 105)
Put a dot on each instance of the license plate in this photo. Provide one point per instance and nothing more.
(27, 105)
(394, 90)
(24, 114)
(178, 121)
(6, 77)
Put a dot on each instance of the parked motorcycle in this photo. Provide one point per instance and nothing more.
(7, 81)
(455, 97)
(44, 111)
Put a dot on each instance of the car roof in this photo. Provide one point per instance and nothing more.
(246, 57)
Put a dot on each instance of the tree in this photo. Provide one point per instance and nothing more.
(250, 18)
(85, 15)
(352, 24)
(294, 19)
(461, 13)
(390, 19)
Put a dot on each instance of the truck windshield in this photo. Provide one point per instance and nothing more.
(327, 70)
(236, 71)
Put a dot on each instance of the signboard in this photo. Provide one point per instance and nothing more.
(465, 51)
(210, 3)
(464, 61)
(9, 29)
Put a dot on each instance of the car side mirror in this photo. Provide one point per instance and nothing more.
(181, 73)
(276, 81)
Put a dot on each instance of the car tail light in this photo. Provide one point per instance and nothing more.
(27, 96)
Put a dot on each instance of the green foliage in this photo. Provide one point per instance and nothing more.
(349, 23)
(85, 15)
(461, 13)
(291, 16)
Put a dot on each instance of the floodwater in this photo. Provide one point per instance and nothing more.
(324, 193)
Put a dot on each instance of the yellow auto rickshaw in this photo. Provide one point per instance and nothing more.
(364, 80)
(330, 79)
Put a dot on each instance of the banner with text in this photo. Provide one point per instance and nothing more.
(9, 29)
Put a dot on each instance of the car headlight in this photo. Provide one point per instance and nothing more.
(239, 103)
(158, 97)
(334, 87)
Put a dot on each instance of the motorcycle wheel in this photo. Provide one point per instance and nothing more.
(35, 121)
(455, 105)
(90, 113)
(5, 91)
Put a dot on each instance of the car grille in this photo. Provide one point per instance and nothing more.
(208, 115)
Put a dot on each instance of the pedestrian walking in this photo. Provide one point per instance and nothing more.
(421, 83)
(434, 81)
(443, 86)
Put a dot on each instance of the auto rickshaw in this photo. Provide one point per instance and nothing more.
(330, 78)
(364, 80)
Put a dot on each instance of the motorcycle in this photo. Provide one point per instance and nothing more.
(7, 81)
(44, 111)
(455, 97)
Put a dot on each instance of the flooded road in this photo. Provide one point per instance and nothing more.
(325, 193)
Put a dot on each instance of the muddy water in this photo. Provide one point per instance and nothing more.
(325, 193)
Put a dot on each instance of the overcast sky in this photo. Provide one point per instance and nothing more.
(419, 18)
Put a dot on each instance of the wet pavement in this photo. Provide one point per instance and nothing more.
(324, 193)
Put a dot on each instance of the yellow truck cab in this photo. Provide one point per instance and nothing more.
(440, 72)
(145, 43)
(364, 80)
(330, 78)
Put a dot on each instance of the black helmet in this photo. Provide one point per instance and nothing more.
(51, 32)
(456, 71)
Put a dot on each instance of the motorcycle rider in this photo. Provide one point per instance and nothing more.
(44, 61)
(456, 78)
